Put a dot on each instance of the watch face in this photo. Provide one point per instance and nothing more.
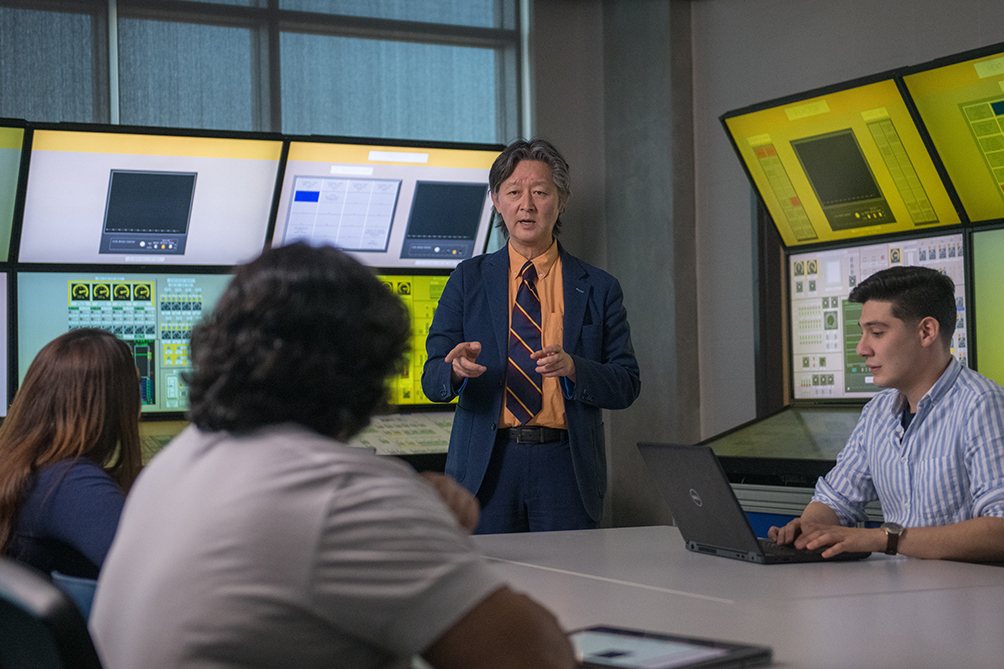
(892, 528)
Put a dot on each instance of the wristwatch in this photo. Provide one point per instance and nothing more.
(893, 531)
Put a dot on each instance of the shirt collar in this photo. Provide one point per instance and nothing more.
(542, 263)
(936, 392)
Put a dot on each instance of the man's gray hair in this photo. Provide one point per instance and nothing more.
(536, 149)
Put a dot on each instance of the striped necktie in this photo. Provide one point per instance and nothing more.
(523, 385)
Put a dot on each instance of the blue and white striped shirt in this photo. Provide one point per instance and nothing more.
(946, 467)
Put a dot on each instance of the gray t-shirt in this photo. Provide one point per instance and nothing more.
(281, 549)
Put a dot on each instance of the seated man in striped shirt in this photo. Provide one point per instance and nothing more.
(930, 447)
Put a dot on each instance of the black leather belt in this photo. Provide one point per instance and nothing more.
(532, 434)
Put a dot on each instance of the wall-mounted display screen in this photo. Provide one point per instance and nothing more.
(962, 107)
(824, 328)
(421, 295)
(153, 313)
(387, 206)
(842, 165)
(11, 143)
(110, 198)
(988, 302)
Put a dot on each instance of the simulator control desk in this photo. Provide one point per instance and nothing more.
(887, 612)
(773, 463)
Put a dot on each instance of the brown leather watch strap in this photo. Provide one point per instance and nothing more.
(893, 532)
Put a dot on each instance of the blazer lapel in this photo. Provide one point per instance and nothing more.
(576, 291)
(496, 278)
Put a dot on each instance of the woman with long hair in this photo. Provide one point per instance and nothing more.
(69, 451)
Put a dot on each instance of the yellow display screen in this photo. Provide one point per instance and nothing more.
(11, 141)
(962, 107)
(421, 295)
(844, 165)
(988, 298)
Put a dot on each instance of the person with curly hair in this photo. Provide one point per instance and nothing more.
(258, 538)
(69, 451)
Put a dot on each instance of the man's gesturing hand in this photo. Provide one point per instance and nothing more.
(462, 358)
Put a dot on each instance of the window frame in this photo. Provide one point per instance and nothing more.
(267, 23)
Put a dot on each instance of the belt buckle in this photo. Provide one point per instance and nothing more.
(529, 431)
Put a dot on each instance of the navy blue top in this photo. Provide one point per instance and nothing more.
(69, 518)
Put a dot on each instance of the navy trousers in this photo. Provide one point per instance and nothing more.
(531, 488)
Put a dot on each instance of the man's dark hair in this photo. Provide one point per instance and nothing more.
(915, 294)
(535, 149)
(304, 335)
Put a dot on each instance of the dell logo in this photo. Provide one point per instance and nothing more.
(697, 498)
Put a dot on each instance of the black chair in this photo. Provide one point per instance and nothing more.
(40, 626)
(80, 590)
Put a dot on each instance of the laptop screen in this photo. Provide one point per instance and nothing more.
(698, 493)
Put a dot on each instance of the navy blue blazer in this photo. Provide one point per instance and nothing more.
(474, 307)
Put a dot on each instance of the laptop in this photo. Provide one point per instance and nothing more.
(706, 510)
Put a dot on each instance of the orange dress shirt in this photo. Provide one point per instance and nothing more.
(550, 287)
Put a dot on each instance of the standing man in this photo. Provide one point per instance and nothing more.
(930, 446)
(535, 342)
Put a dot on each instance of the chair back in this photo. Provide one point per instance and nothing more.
(40, 626)
(81, 590)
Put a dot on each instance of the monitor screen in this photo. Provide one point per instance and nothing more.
(153, 313)
(962, 107)
(988, 302)
(110, 198)
(11, 142)
(418, 433)
(421, 295)
(824, 329)
(390, 207)
(842, 165)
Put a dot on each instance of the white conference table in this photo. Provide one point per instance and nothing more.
(885, 612)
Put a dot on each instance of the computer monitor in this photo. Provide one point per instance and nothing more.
(153, 313)
(388, 206)
(988, 309)
(420, 294)
(823, 323)
(960, 100)
(842, 163)
(96, 197)
(11, 144)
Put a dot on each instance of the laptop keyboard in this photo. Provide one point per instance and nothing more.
(771, 548)
(788, 553)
